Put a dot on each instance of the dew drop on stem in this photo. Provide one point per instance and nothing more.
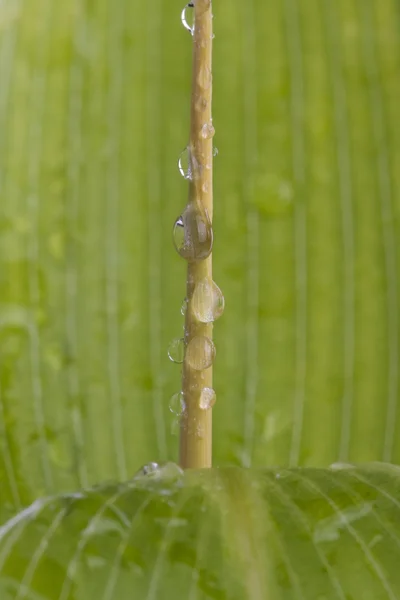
(184, 307)
(201, 103)
(177, 404)
(200, 353)
(176, 350)
(184, 164)
(204, 78)
(208, 130)
(185, 23)
(193, 234)
(208, 301)
(207, 398)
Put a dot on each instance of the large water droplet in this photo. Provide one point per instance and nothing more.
(208, 302)
(193, 234)
(186, 25)
(177, 404)
(208, 398)
(207, 131)
(184, 164)
(200, 353)
(176, 350)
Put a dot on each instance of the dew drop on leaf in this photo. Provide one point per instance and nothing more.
(176, 350)
(150, 467)
(341, 466)
(208, 301)
(167, 471)
(193, 234)
(200, 353)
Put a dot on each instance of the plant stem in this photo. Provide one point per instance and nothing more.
(196, 423)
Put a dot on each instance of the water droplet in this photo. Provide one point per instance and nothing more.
(151, 467)
(341, 466)
(215, 151)
(208, 398)
(177, 404)
(184, 307)
(200, 353)
(153, 470)
(201, 103)
(176, 350)
(208, 301)
(184, 20)
(184, 164)
(200, 431)
(205, 187)
(193, 234)
(204, 78)
(208, 131)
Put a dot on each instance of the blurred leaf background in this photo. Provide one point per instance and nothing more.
(94, 111)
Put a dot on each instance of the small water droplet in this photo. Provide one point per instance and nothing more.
(208, 130)
(184, 164)
(341, 466)
(184, 307)
(200, 431)
(200, 353)
(215, 151)
(193, 234)
(204, 78)
(208, 398)
(208, 301)
(205, 187)
(201, 103)
(166, 471)
(176, 350)
(147, 469)
(177, 404)
(186, 25)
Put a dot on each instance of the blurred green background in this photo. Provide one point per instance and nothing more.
(94, 111)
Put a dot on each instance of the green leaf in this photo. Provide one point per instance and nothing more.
(228, 533)
(94, 111)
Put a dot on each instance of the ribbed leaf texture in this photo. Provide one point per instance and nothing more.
(94, 111)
